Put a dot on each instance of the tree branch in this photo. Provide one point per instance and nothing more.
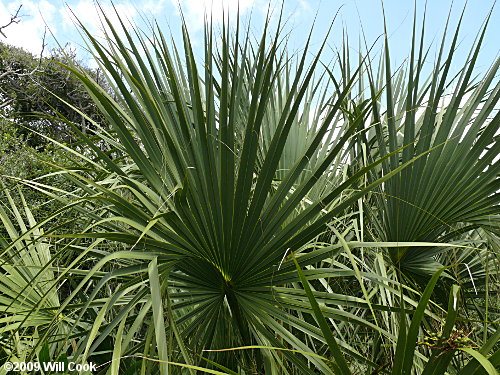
(13, 19)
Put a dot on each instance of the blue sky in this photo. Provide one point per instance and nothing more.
(300, 14)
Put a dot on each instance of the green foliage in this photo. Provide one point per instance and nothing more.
(20, 161)
(242, 216)
(461, 178)
(33, 88)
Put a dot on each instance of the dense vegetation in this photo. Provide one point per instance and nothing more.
(260, 212)
(35, 89)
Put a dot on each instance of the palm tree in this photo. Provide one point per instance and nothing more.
(196, 202)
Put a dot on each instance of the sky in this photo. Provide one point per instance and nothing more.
(353, 15)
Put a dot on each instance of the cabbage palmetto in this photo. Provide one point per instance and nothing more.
(197, 202)
(458, 182)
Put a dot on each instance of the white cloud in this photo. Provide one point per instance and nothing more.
(302, 9)
(195, 10)
(28, 33)
(153, 7)
(88, 13)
